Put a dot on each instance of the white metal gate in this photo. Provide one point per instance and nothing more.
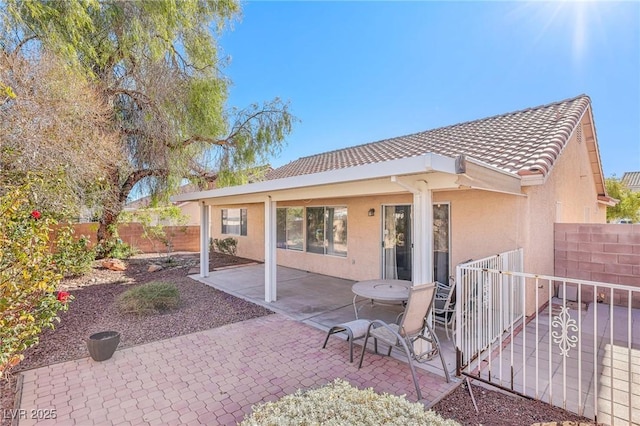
(572, 343)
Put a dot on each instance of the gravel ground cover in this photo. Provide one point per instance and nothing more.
(202, 308)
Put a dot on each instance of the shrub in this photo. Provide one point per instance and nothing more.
(28, 276)
(115, 249)
(227, 246)
(149, 298)
(339, 403)
(73, 257)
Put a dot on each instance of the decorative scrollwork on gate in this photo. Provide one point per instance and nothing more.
(563, 337)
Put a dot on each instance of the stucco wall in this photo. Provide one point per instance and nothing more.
(569, 195)
(482, 223)
(250, 246)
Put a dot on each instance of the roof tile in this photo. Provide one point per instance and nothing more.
(526, 141)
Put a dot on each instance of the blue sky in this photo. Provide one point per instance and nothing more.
(357, 72)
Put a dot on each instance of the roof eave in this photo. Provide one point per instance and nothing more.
(404, 166)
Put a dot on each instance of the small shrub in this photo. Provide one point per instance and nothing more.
(73, 257)
(339, 403)
(149, 298)
(115, 249)
(226, 246)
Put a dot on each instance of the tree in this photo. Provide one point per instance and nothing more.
(52, 122)
(156, 64)
(629, 205)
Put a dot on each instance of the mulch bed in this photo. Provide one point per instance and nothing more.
(203, 308)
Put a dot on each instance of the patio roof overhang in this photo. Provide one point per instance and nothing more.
(439, 172)
(420, 176)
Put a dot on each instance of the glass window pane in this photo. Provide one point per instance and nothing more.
(231, 221)
(315, 230)
(294, 235)
(441, 243)
(336, 225)
(243, 222)
(281, 228)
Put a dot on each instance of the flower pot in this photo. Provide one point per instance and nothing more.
(102, 345)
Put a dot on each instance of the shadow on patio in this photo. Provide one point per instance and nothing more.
(317, 300)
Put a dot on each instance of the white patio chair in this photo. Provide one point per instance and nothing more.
(413, 327)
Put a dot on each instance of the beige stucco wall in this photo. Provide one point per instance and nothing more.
(192, 212)
(568, 196)
(250, 246)
(483, 223)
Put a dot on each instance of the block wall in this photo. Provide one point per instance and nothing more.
(607, 253)
(183, 238)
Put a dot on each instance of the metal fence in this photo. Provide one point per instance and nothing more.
(560, 340)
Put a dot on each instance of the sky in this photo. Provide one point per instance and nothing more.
(357, 72)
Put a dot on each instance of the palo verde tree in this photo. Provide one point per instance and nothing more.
(157, 65)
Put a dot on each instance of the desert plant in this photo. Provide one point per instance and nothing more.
(154, 221)
(28, 276)
(73, 256)
(149, 298)
(339, 403)
(228, 245)
(115, 249)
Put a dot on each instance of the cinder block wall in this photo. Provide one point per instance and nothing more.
(607, 253)
(183, 238)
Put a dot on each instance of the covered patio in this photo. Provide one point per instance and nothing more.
(318, 300)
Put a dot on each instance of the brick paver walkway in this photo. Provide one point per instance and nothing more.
(210, 377)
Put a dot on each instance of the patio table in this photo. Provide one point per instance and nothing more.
(382, 291)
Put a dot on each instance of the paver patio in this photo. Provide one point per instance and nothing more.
(210, 377)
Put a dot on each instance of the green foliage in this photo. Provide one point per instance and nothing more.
(28, 277)
(339, 403)
(154, 221)
(228, 245)
(114, 248)
(629, 205)
(149, 298)
(156, 65)
(73, 256)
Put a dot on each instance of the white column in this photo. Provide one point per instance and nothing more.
(270, 283)
(204, 240)
(423, 235)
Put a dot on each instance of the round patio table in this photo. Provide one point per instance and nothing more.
(383, 291)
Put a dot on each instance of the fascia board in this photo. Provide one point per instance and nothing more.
(404, 166)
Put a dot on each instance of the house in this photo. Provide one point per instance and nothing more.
(631, 180)
(414, 206)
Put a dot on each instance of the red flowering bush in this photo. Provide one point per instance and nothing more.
(28, 276)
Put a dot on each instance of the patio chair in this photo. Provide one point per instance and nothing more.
(444, 306)
(413, 327)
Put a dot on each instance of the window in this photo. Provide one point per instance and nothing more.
(234, 221)
(289, 233)
(327, 230)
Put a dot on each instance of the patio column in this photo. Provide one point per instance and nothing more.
(204, 240)
(270, 287)
(423, 234)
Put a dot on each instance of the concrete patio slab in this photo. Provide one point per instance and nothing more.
(318, 300)
(210, 377)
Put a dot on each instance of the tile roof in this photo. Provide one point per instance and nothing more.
(632, 180)
(525, 142)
